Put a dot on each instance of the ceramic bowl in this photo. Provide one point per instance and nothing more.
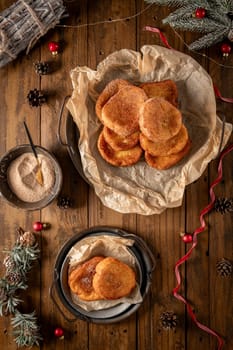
(5, 189)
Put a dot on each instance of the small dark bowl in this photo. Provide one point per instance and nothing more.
(6, 191)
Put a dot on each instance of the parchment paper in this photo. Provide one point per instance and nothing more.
(105, 246)
(140, 188)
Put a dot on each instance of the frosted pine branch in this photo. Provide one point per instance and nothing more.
(18, 263)
(184, 12)
(176, 3)
(218, 17)
(202, 25)
(216, 24)
(25, 329)
(207, 40)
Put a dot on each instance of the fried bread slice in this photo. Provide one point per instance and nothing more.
(118, 142)
(163, 163)
(159, 120)
(81, 278)
(110, 89)
(113, 279)
(166, 89)
(118, 158)
(121, 112)
(165, 148)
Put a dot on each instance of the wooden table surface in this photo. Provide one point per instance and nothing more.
(209, 294)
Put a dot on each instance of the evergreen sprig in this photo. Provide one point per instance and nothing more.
(8, 300)
(216, 25)
(25, 329)
(18, 262)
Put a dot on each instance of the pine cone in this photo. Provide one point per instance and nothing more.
(168, 320)
(19, 231)
(64, 202)
(224, 267)
(36, 98)
(9, 263)
(14, 278)
(223, 205)
(27, 239)
(41, 68)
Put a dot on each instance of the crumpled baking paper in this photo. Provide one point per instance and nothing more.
(140, 188)
(105, 246)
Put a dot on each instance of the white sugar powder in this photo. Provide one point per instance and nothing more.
(21, 176)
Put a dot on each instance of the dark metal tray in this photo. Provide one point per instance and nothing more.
(145, 264)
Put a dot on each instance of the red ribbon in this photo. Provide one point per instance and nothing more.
(200, 229)
(218, 94)
(158, 31)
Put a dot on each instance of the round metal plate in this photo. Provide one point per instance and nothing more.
(145, 265)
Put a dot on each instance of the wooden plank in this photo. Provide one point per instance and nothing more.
(108, 37)
(220, 242)
(161, 232)
(64, 223)
(14, 85)
(197, 267)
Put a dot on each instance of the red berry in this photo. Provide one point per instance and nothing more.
(200, 12)
(37, 226)
(58, 332)
(187, 238)
(53, 47)
(225, 49)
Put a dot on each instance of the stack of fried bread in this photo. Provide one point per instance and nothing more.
(118, 109)
(102, 278)
(141, 118)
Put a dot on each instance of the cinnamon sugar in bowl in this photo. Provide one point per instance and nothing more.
(18, 184)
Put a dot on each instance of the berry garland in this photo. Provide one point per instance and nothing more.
(17, 263)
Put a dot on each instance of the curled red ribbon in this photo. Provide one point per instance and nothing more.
(158, 31)
(200, 229)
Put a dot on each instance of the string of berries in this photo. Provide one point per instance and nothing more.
(224, 267)
(169, 320)
(223, 205)
(18, 262)
(36, 98)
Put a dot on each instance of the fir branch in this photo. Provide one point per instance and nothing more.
(207, 40)
(184, 12)
(219, 17)
(18, 263)
(177, 3)
(205, 25)
(25, 329)
(216, 25)
(8, 300)
(225, 6)
(25, 256)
